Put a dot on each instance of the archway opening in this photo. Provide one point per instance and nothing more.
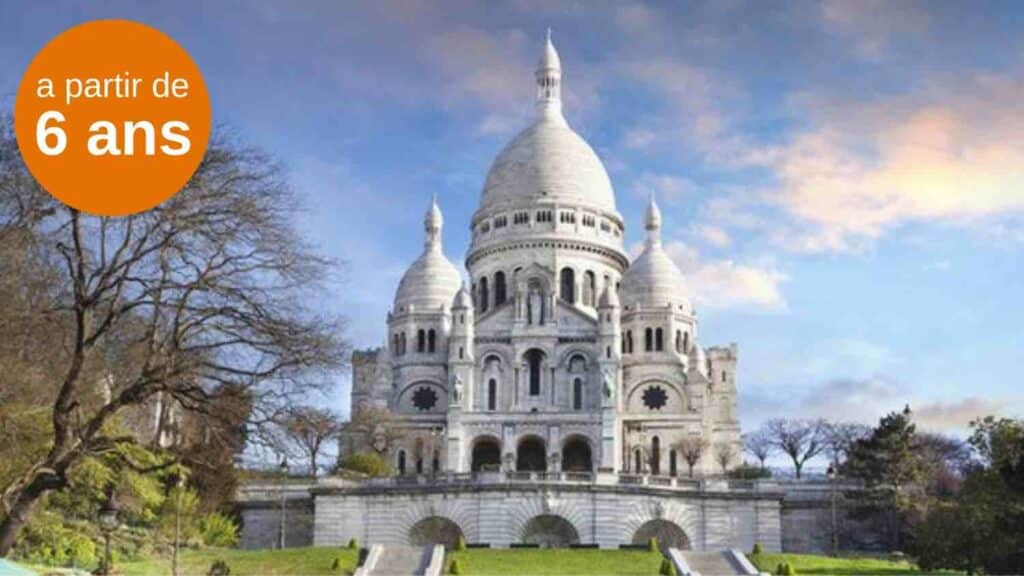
(435, 530)
(576, 456)
(669, 535)
(550, 531)
(534, 359)
(531, 456)
(486, 455)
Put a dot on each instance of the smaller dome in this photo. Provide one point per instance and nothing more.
(653, 280)
(463, 299)
(432, 280)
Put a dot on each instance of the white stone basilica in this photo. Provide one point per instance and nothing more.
(560, 355)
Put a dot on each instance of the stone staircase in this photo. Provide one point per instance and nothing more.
(397, 560)
(724, 563)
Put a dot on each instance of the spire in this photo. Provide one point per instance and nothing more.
(549, 82)
(432, 224)
(652, 222)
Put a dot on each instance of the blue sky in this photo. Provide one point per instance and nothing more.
(842, 182)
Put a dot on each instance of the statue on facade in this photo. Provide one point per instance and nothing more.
(609, 384)
(456, 388)
(535, 307)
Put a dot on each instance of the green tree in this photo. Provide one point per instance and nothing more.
(215, 287)
(366, 463)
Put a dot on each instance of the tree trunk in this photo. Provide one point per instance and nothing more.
(799, 468)
(22, 509)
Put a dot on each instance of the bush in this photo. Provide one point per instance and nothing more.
(353, 544)
(46, 540)
(366, 463)
(757, 549)
(460, 543)
(455, 567)
(785, 569)
(668, 568)
(219, 568)
(336, 565)
(749, 472)
(652, 544)
(218, 530)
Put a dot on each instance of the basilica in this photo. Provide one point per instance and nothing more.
(559, 354)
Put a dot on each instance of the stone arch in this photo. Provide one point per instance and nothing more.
(668, 533)
(567, 285)
(531, 454)
(675, 399)
(577, 454)
(550, 531)
(434, 530)
(485, 455)
(536, 360)
(423, 396)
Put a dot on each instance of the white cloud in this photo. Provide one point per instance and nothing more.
(872, 25)
(713, 235)
(668, 188)
(725, 284)
(861, 170)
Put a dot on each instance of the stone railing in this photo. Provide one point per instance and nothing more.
(577, 478)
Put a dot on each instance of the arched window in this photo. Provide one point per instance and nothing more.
(589, 288)
(483, 294)
(419, 455)
(568, 284)
(577, 394)
(401, 462)
(436, 464)
(492, 394)
(499, 288)
(686, 342)
(534, 358)
(655, 455)
(421, 341)
(679, 342)
(394, 344)
(638, 461)
(659, 340)
(629, 342)
(577, 363)
(431, 341)
(401, 344)
(607, 351)
(673, 465)
(648, 340)
(460, 352)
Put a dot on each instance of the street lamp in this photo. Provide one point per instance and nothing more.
(179, 484)
(109, 518)
(284, 477)
(833, 474)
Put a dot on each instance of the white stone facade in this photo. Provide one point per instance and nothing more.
(557, 341)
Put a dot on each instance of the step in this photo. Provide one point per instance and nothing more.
(402, 561)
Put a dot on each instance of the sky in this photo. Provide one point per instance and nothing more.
(842, 182)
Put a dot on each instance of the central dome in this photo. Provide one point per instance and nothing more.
(548, 161)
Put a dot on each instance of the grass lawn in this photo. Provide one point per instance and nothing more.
(811, 564)
(296, 561)
(538, 562)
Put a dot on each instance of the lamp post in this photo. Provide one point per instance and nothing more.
(281, 527)
(833, 474)
(179, 483)
(109, 518)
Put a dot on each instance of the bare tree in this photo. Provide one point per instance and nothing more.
(307, 429)
(759, 445)
(840, 436)
(801, 440)
(692, 449)
(724, 455)
(212, 289)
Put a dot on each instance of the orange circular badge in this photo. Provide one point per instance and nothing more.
(112, 117)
